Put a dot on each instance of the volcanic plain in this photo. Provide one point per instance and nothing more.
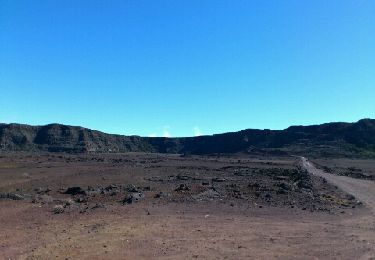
(173, 206)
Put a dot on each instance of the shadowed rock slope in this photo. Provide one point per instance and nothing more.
(329, 139)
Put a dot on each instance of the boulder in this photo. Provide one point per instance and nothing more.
(74, 191)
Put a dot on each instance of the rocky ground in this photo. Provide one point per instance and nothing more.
(138, 205)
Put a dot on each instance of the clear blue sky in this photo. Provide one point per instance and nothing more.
(183, 67)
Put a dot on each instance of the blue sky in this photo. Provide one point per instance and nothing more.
(181, 68)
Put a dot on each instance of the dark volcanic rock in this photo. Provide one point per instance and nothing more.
(132, 198)
(74, 191)
(131, 188)
(182, 187)
(162, 195)
(81, 199)
(11, 196)
(58, 209)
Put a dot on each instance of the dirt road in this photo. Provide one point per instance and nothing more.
(363, 190)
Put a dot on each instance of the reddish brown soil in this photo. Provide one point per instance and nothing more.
(314, 221)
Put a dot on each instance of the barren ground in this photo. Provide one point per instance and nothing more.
(356, 168)
(142, 206)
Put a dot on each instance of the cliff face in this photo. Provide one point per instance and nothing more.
(332, 138)
(55, 137)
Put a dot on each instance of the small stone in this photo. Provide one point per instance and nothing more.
(182, 187)
(58, 209)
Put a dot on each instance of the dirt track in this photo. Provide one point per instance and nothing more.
(363, 190)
